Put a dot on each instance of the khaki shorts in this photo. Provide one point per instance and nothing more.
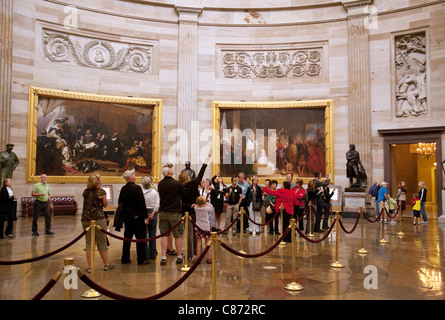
(168, 220)
(101, 238)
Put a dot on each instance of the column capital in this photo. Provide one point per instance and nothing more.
(188, 14)
(357, 7)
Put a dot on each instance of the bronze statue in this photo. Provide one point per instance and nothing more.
(354, 168)
(190, 171)
(8, 162)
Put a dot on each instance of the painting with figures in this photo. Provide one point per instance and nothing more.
(272, 142)
(80, 137)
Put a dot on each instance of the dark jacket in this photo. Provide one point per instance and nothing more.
(258, 196)
(170, 192)
(6, 202)
(133, 201)
(422, 194)
(191, 192)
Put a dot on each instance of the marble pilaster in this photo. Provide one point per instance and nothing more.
(6, 25)
(187, 81)
(359, 81)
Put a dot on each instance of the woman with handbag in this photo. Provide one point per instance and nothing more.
(254, 215)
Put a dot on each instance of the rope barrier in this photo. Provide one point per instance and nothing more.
(141, 240)
(45, 255)
(353, 228)
(376, 218)
(263, 224)
(117, 296)
(47, 287)
(319, 240)
(230, 225)
(245, 255)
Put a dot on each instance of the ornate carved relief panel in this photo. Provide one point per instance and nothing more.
(411, 75)
(280, 62)
(96, 53)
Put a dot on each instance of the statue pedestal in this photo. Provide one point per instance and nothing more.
(353, 198)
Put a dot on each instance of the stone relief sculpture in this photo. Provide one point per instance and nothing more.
(272, 63)
(410, 61)
(100, 54)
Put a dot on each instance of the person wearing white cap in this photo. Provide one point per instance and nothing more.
(382, 196)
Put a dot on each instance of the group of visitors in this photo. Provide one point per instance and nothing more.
(141, 207)
(379, 192)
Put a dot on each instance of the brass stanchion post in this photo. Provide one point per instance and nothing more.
(242, 230)
(310, 234)
(362, 250)
(185, 267)
(293, 286)
(69, 262)
(214, 241)
(383, 241)
(92, 293)
(282, 243)
(337, 264)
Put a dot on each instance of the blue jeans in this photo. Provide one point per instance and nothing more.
(150, 247)
(423, 211)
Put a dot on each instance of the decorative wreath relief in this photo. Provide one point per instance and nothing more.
(59, 47)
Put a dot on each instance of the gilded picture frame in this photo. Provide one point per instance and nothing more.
(270, 111)
(47, 107)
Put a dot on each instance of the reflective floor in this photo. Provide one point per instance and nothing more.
(411, 267)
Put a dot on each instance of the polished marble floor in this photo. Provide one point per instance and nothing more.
(411, 267)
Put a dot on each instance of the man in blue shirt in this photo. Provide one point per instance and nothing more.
(382, 197)
(246, 200)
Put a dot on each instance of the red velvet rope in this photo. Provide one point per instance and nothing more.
(376, 219)
(117, 296)
(263, 224)
(230, 225)
(353, 228)
(244, 255)
(321, 239)
(49, 254)
(45, 290)
(141, 240)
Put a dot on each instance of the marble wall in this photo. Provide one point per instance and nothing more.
(185, 43)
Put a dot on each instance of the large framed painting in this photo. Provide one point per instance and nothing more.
(273, 139)
(73, 135)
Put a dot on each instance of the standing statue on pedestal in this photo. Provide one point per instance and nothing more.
(190, 171)
(8, 162)
(354, 169)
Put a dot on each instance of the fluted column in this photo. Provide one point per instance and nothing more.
(187, 77)
(359, 81)
(6, 14)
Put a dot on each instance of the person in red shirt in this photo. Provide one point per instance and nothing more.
(299, 207)
(287, 197)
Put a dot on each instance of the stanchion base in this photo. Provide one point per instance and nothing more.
(293, 286)
(383, 241)
(91, 294)
(242, 251)
(310, 235)
(362, 251)
(401, 234)
(337, 264)
(282, 244)
(185, 268)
